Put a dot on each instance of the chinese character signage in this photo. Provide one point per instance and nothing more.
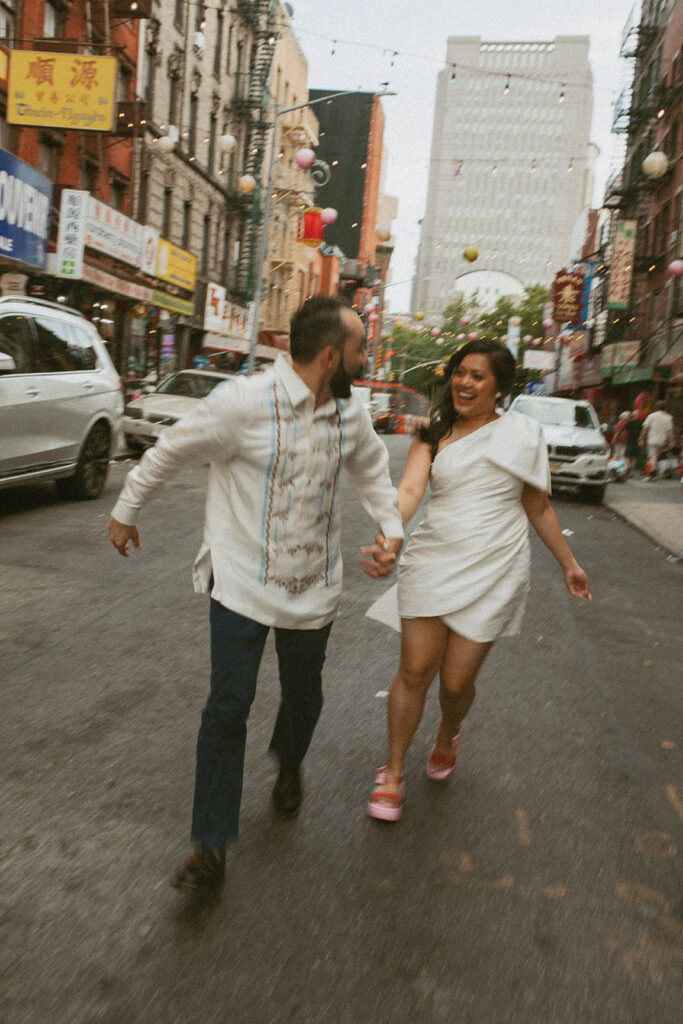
(61, 90)
(71, 237)
(224, 317)
(622, 265)
(176, 265)
(567, 297)
(111, 232)
(25, 198)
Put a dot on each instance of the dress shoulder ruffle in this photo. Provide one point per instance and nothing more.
(517, 445)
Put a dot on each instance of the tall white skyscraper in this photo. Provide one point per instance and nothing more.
(511, 163)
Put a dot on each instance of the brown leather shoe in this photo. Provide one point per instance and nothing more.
(202, 873)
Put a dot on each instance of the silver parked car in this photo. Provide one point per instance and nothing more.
(60, 398)
(577, 449)
(146, 416)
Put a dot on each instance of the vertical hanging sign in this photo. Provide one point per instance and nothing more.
(621, 274)
(73, 215)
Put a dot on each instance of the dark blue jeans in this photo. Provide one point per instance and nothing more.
(236, 648)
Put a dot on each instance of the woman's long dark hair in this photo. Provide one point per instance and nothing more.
(443, 415)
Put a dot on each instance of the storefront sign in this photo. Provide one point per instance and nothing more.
(176, 265)
(150, 248)
(25, 198)
(224, 317)
(567, 290)
(618, 356)
(61, 90)
(173, 303)
(4, 66)
(621, 272)
(538, 360)
(111, 232)
(117, 285)
(71, 236)
(13, 284)
(661, 373)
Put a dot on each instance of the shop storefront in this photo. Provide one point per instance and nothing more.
(227, 336)
(25, 201)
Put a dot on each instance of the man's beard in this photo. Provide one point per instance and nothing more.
(340, 382)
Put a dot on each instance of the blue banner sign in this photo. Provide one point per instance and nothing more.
(25, 200)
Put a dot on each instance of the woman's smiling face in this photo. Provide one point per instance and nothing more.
(473, 386)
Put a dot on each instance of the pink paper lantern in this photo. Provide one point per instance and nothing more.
(472, 336)
(548, 323)
(537, 342)
(305, 159)
(460, 337)
(373, 317)
(368, 308)
(676, 268)
(465, 320)
(435, 332)
(527, 339)
(329, 215)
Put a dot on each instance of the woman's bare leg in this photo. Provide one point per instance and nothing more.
(423, 648)
(459, 669)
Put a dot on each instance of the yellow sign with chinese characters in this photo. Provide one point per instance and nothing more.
(61, 90)
(176, 265)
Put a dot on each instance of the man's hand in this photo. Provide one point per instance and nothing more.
(381, 556)
(120, 534)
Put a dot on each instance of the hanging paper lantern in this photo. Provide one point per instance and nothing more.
(515, 320)
(398, 323)
(548, 323)
(676, 268)
(472, 336)
(312, 229)
(305, 159)
(419, 316)
(435, 332)
(246, 184)
(527, 339)
(471, 253)
(655, 165)
(368, 308)
(537, 342)
(329, 215)
(374, 317)
(460, 337)
(383, 234)
(465, 320)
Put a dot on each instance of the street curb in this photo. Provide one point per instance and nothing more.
(647, 530)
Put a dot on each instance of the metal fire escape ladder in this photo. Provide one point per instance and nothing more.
(264, 14)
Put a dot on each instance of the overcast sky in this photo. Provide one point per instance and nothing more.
(368, 35)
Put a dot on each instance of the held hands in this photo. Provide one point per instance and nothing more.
(380, 556)
(576, 581)
(120, 534)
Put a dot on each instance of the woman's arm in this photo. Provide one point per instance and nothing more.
(413, 485)
(544, 521)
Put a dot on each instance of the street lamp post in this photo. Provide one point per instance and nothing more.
(261, 254)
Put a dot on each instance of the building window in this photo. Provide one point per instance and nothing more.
(7, 20)
(89, 176)
(179, 12)
(166, 217)
(219, 45)
(48, 157)
(53, 21)
(118, 192)
(187, 222)
(206, 235)
(211, 159)
(192, 135)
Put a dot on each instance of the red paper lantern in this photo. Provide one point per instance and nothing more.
(312, 230)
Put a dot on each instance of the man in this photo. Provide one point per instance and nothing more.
(270, 555)
(657, 436)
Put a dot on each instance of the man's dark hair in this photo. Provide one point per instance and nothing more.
(316, 324)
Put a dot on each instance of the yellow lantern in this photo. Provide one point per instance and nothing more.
(419, 316)
(471, 253)
(246, 184)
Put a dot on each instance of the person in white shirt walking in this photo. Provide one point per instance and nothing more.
(270, 555)
(657, 436)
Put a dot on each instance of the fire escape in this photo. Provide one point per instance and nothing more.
(252, 100)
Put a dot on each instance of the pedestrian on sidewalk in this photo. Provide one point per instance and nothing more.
(657, 437)
(633, 430)
(619, 436)
(270, 556)
(464, 576)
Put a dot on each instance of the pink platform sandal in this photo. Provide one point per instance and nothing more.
(384, 804)
(440, 766)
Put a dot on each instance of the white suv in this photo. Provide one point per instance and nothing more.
(577, 449)
(60, 398)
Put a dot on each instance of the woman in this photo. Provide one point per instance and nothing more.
(619, 436)
(464, 576)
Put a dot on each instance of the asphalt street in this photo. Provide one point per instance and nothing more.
(540, 885)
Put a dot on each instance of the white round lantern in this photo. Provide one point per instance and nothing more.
(655, 165)
(227, 143)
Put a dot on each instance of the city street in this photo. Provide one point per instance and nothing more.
(540, 885)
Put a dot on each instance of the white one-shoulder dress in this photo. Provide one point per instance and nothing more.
(467, 562)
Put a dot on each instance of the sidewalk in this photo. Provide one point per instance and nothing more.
(656, 509)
